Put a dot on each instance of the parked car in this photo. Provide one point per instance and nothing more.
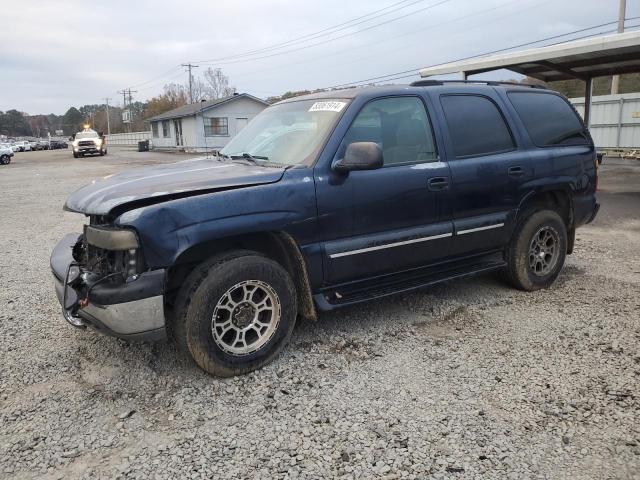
(23, 146)
(43, 144)
(58, 144)
(14, 148)
(360, 194)
(6, 153)
(89, 142)
(35, 145)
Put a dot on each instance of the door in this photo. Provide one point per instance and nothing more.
(393, 218)
(177, 127)
(488, 172)
(240, 124)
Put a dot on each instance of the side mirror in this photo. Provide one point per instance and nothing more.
(360, 156)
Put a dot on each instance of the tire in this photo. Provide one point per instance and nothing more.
(75, 155)
(537, 250)
(5, 159)
(101, 153)
(213, 288)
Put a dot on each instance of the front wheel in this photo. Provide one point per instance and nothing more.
(537, 250)
(5, 160)
(235, 313)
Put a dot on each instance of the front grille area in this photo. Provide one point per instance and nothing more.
(106, 262)
(86, 143)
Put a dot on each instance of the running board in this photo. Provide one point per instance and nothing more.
(341, 296)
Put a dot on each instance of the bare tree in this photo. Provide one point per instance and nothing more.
(217, 84)
(200, 89)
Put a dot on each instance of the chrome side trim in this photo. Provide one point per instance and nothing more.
(479, 229)
(389, 245)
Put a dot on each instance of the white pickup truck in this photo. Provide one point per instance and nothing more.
(87, 142)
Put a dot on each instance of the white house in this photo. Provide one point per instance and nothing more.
(208, 125)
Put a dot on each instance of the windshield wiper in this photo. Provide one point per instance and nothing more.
(248, 156)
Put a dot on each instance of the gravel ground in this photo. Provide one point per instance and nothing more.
(469, 379)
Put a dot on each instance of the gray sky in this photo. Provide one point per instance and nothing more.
(56, 54)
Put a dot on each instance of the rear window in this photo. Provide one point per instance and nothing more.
(476, 125)
(549, 119)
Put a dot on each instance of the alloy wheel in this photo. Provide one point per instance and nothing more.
(245, 317)
(544, 251)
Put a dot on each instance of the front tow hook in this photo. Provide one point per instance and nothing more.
(69, 314)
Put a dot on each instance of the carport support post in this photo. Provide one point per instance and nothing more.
(588, 85)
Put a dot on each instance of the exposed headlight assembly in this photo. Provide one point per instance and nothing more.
(111, 239)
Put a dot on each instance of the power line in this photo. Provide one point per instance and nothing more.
(329, 39)
(414, 71)
(326, 31)
(310, 36)
(155, 78)
(387, 39)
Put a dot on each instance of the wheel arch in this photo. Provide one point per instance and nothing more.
(276, 245)
(557, 198)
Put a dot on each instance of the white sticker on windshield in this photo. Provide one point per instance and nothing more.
(327, 106)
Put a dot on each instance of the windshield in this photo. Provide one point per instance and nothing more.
(87, 135)
(289, 133)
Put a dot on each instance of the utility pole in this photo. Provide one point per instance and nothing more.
(190, 66)
(106, 101)
(127, 93)
(622, 13)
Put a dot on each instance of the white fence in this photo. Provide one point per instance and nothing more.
(131, 139)
(615, 120)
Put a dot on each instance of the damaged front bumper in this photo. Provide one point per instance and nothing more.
(133, 310)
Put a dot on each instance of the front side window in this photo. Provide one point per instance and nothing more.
(154, 129)
(165, 128)
(214, 126)
(399, 125)
(549, 119)
(476, 126)
(289, 133)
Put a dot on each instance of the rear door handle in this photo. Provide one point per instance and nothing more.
(516, 171)
(437, 184)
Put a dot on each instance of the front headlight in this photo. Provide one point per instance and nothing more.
(98, 143)
(111, 239)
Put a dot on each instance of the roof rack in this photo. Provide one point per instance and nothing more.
(493, 83)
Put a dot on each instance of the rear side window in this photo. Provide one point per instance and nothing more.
(549, 119)
(476, 125)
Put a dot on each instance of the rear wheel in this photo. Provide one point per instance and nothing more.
(5, 160)
(537, 250)
(235, 313)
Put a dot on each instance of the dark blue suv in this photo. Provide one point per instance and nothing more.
(328, 200)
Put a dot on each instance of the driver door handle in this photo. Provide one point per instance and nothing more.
(516, 171)
(437, 184)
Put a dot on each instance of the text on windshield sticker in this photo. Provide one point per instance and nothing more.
(327, 106)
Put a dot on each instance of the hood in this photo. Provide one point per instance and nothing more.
(163, 182)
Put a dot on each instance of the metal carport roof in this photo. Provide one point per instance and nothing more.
(582, 59)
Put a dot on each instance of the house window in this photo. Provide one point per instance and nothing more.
(216, 126)
(154, 129)
(165, 128)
